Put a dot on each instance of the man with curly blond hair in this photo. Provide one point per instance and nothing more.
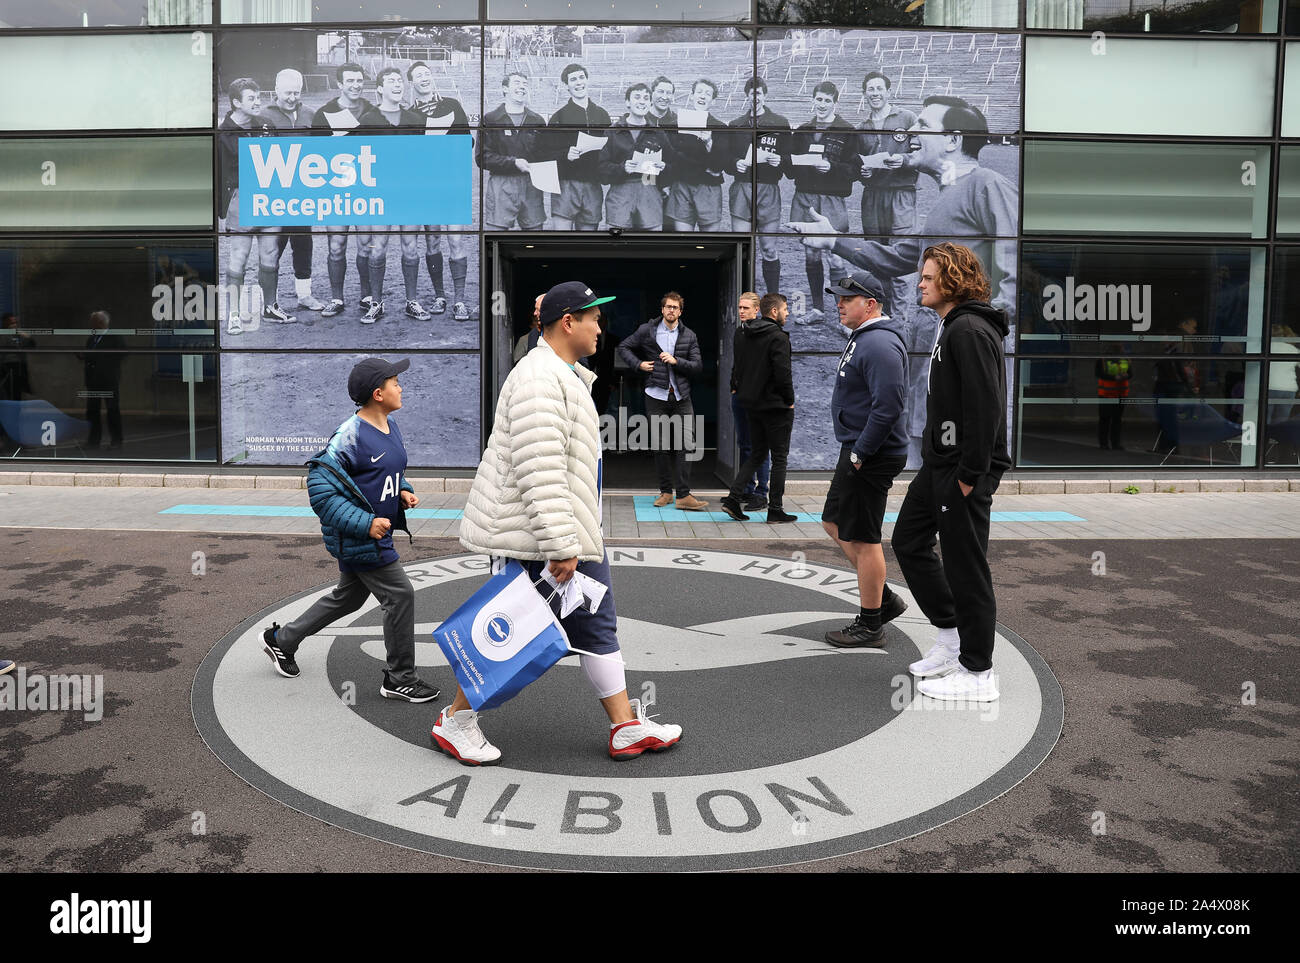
(964, 453)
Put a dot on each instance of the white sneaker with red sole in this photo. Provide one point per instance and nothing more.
(460, 737)
(627, 740)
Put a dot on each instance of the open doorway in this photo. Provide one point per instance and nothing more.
(708, 274)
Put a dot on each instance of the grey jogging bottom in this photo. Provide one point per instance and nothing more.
(396, 596)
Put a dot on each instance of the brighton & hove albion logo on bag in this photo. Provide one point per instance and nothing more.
(504, 637)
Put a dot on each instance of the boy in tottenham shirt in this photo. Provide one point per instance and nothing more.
(357, 486)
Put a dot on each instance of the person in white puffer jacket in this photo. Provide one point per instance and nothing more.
(537, 498)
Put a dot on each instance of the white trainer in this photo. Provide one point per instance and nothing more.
(628, 740)
(460, 737)
(940, 660)
(961, 685)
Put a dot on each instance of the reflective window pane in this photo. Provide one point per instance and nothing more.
(1288, 193)
(1172, 410)
(105, 13)
(134, 100)
(883, 13)
(345, 11)
(280, 409)
(1190, 87)
(1291, 92)
(1077, 298)
(1282, 425)
(1282, 435)
(1127, 189)
(103, 183)
(1283, 327)
(1153, 16)
(107, 401)
(158, 292)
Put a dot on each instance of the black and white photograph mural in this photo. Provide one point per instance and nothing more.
(631, 128)
(441, 269)
(280, 409)
(348, 282)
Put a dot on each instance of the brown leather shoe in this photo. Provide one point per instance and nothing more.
(691, 504)
(663, 499)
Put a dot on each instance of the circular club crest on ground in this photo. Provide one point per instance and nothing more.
(793, 750)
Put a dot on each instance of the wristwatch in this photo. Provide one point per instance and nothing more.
(853, 457)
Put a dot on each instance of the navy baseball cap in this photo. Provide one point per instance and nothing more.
(566, 298)
(371, 373)
(859, 283)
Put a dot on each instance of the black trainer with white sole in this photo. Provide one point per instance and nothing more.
(417, 691)
(284, 663)
(857, 635)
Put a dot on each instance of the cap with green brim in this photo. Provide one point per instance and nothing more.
(567, 297)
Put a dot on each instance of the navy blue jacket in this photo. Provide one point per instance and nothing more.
(642, 345)
(870, 385)
(345, 514)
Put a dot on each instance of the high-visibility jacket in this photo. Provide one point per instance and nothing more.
(1112, 379)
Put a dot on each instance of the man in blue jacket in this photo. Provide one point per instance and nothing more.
(867, 409)
(358, 488)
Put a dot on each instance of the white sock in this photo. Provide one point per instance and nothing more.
(606, 675)
(303, 287)
(949, 638)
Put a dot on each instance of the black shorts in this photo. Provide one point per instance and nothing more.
(856, 500)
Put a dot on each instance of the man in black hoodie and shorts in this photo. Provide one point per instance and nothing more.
(964, 453)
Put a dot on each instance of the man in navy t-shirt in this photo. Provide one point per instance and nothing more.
(357, 486)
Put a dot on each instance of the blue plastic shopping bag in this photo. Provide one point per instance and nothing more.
(502, 638)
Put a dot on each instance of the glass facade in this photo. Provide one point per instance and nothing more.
(1128, 171)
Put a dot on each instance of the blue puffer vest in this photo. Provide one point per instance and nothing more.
(345, 514)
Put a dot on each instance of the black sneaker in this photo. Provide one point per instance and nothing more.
(856, 635)
(775, 516)
(755, 503)
(732, 507)
(892, 609)
(417, 691)
(284, 664)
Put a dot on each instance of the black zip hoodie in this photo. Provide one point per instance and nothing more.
(760, 367)
(966, 412)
